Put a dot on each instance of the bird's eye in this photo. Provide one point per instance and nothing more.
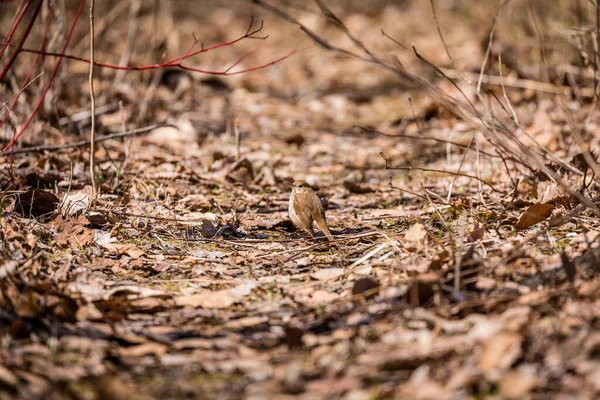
(299, 185)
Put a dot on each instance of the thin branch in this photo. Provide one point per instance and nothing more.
(489, 46)
(92, 104)
(439, 29)
(462, 161)
(512, 110)
(410, 168)
(177, 62)
(414, 137)
(17, 20)
(24, 36)
(82, 143)
(16, 95)
(33, 64)
(45, 91)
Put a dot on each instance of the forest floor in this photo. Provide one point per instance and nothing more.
(451, 275)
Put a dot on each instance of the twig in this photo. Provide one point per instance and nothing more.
(596, 55)
(92, 104)
(512, 110)
(238, 139)
(50, 81)
(439, 29)
(4, 103)
(24, 36)
(409, 168)
(85, 114)
(134, 17)
(178, 61)
(462, 161)
(82, 143)
(529, 84)
(489, 46)
(33, 64)
(414, 137)
(370, 254)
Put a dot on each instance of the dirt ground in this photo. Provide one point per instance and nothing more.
(457, 271)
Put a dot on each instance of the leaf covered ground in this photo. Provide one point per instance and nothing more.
(458, 271)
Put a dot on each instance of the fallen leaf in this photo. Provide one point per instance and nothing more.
(103, 238)
(241, 171)
(8, 268)
(366, 287)
(476, 234)
(149, 348)
(193, 343)
(194, 202)
(128, 249)
(328, 274)
(501, 351)
(357, 188)
(517, 384)
(246, 322)
(415, 233)
(75, 202)
(72, 231)
(320, 297)
(216, 299)
(536, 213)
(36, 203)
(7, 377)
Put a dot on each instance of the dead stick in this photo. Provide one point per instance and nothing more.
(82, 143)
(92, 102)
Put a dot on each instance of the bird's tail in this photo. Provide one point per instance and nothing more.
(322, 225)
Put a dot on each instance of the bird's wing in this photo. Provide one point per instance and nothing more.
(303, 212)
(319, 217)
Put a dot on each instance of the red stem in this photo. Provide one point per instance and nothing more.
(54, 71)
(23, 38)
(171, 63)
(35, 60)
(18, 19)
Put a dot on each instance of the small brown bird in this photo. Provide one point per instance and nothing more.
(305, 207)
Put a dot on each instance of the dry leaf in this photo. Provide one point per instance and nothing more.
(208, 299)
(149, 348)
(216, 299)
(327, 274)
(415, 233)
(357, 188)
(72, 231)
(75, 202)
(128, 249)
(517, 384)
(36, 203)
(367, 287)
(536, 213)
(7, 377)
(501, 351)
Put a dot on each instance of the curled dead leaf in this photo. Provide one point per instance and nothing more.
(36, 203)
